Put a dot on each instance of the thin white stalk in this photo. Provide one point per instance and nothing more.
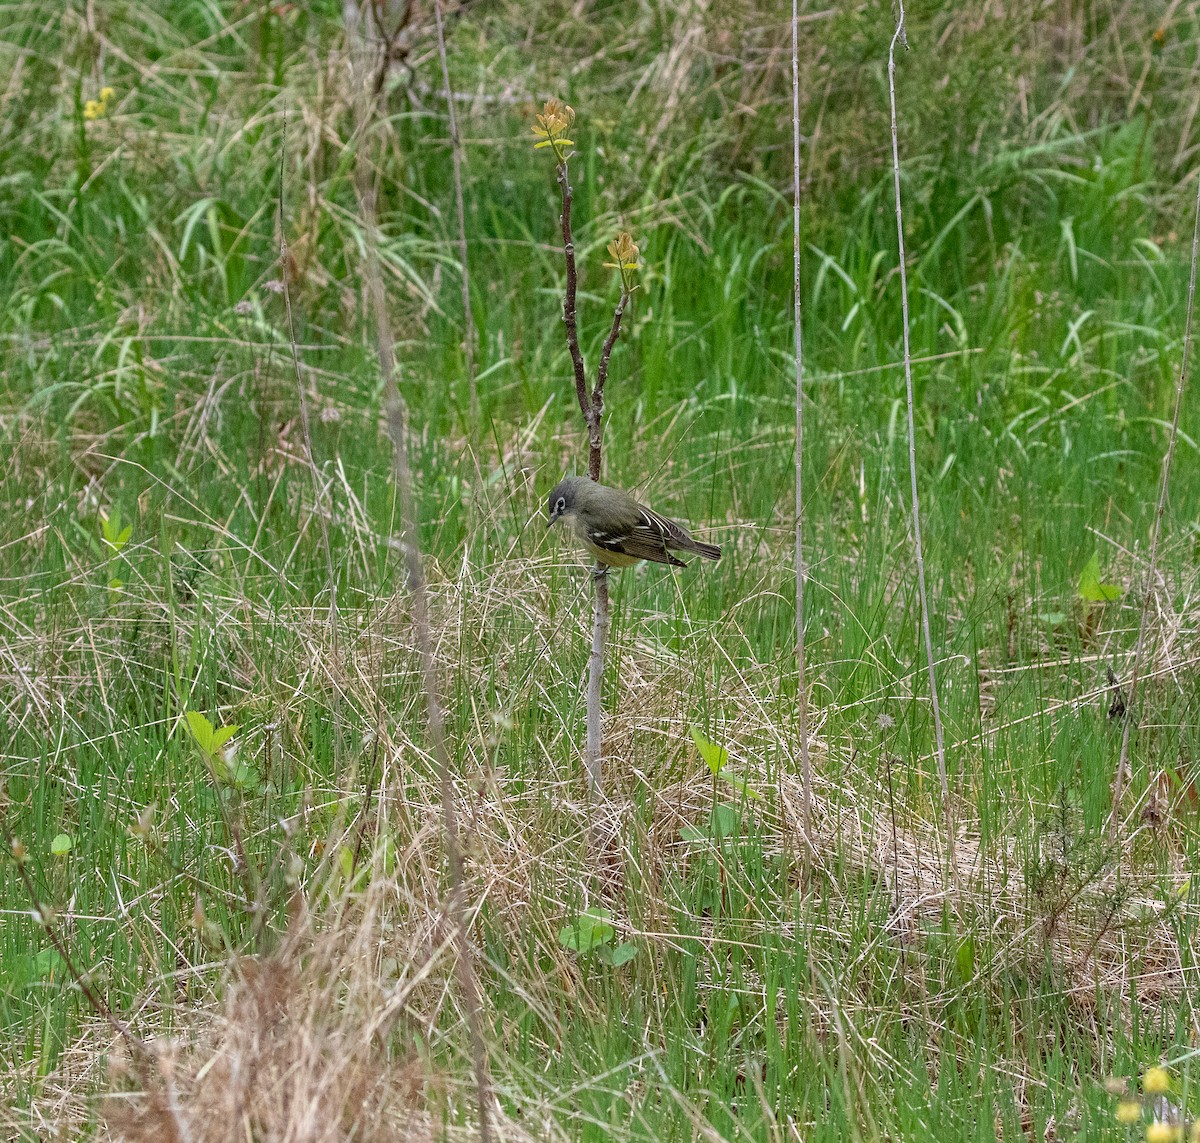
(939, 738)
(320, 489)
(456, 157)
(1118, 785)
(801, 666)
(410, 546)
(592, 750)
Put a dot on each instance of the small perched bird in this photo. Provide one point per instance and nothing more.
(616, 529)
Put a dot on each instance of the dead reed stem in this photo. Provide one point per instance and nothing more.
(947, 805)
(456, 154)
(320, 491)
(1118, 783)
(801, 665)
(409, 543)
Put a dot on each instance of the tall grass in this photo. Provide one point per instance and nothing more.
(148, 372)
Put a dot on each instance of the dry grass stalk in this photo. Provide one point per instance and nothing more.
(311, 1044)
(1118, 783)
(320, 490)
(801, 665)
(456, 154)
(947, 806)
(409, 544)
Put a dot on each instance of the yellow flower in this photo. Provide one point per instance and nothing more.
(1129, 1111)
(1156, 1081)
(552, 125)
(624, 252)
(106, 93)
(92, 109)
(1160, 1132)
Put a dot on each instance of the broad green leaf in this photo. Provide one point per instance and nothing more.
(201, 730)
(1052, 618)
(742, 785)
(61, 845)
(1090, 587)
(714, 756)
(589, 930)
(114, 535)
(222, 735)
(964, 958)
(48, 963)
(725, 822)
(345, 860)
(617, 955)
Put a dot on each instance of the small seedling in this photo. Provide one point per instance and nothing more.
(115, 537)
(592, 933)
(1090, 589)
(213, 744)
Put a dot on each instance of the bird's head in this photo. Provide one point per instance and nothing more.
(561, 501)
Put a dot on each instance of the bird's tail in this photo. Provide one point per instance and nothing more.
(708, 551)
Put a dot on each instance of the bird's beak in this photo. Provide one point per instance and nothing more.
(553, 517)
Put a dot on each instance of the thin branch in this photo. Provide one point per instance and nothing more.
(1118, 784)
(456, 153)
(593, 749)
(571, 322)
(409, 543)
(801, 665)
(947, 806)
(319, 488)
(410, 546)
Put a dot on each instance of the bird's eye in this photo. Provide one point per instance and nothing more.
(560, 505)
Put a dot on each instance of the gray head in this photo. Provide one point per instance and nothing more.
(562, 498)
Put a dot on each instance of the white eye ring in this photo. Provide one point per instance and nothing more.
(560, 505)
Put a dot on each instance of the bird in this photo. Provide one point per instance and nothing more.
(617, 530)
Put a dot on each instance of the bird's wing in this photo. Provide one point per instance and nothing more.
(640, 542)
(668, 533)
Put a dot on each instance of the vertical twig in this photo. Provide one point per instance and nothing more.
(414, 571)
(1118, 784)
(456, 155)
(319, 488)
(593, 749)
(587, 405)
(801, 665)
(947, 807)
(410, 544)
(593, 743)
(552, 126)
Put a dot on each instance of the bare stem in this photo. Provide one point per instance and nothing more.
(592, 752)
(319, 489)
(947, 805)
(571, 322)
(409, 543)
(801, 665)
(456, 153)
(1118, 783)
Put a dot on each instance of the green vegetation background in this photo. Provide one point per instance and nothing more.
(1049, 162)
